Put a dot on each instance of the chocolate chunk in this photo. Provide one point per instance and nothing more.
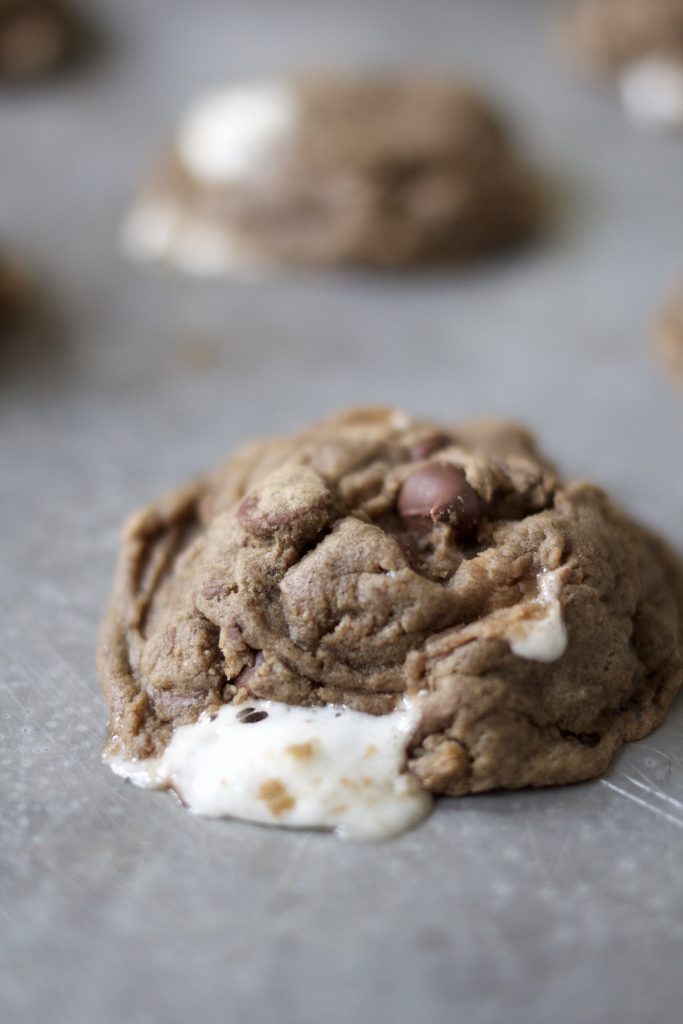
(439, 492)
(264, 525)
(428, 445)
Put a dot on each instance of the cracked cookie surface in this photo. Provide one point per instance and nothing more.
(534, 628)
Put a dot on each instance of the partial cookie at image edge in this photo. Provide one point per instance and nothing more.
(36, 38)
(637, 46)
(666, 337)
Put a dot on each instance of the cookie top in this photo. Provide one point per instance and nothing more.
(668, 336)
(386, 171)
(35, 36)
(374, 559)
(639, 43)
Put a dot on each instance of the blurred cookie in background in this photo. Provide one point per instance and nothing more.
(381, 171)
(667, 336)
(14, 290)
(35, 37)
(637, 44)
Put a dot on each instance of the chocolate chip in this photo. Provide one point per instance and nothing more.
(255, 716)
(439, 492)
(244, 712)
(427, 446)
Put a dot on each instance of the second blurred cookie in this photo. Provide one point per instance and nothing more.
(35, 37)
(384, 171)
(638, 44)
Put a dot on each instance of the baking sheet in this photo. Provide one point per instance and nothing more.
(562, 905)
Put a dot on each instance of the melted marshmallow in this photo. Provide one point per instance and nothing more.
(326, 767)
(652, 91)
(226, 134)
(158, 230)
(543, 638)
(149, 229)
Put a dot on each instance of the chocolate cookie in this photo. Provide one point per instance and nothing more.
(381, 171)
(379, 592)
(14, 288)
(35, 36)
(638, 44)
(668, 336)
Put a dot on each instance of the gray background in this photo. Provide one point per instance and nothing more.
(562, 905)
